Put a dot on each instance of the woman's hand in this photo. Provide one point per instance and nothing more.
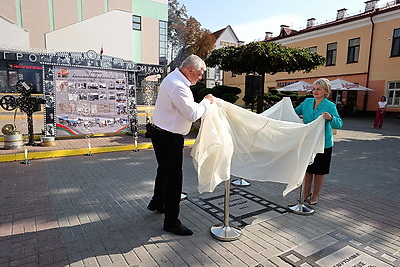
(327, 116)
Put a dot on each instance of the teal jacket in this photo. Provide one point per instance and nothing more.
(306, 108)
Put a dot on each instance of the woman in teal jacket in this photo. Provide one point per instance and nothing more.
(310, 109)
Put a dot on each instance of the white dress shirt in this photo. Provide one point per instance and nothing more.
(175, 108)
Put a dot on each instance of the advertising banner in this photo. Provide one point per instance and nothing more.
(90, 101)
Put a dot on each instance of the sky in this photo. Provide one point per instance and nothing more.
(252, 18)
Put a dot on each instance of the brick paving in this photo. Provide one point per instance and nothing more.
(91, 211)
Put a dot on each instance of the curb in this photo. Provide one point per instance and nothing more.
(79, 151)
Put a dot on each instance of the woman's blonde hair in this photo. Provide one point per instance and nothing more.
(325, 84)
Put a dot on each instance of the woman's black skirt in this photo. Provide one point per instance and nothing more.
(322, 162)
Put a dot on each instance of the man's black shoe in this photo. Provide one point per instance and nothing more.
(154, 207)
(179, 230)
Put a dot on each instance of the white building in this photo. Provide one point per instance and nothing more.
(224, 37)
(134, 30)
(12, 36)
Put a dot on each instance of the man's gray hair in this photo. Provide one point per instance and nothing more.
(193, 61)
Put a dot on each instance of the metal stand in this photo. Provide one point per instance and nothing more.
(224, 232)
(89, 149)
(135, 141)
(26, 160)
(241, 182)
(89, 145)
(300, 208)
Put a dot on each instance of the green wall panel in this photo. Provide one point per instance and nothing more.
(150, 9)
(137, 46)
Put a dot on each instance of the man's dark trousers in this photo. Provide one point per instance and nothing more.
(168, 148)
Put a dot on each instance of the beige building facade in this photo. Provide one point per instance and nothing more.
(363, 49)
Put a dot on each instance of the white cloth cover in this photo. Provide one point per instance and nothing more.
(272, 146)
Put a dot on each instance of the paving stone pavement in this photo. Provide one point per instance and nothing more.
(91, 211)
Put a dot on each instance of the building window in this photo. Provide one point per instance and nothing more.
(228, 44)
(394, 94)
(313, 49)
(331, 50)
(163, 42)
(217, 73)
(13, 72)
(353, 50)
(395, 43)
(136, 23)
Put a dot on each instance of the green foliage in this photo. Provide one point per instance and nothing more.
(249, 99)
(195, 90)
(227, 93)
(177, 17)
(273, 91)
(229, 97)
(264, 58)
(197, 87)
(288, 93)
(205, 91)
(185, 35)
(228, 89)
(271, 98)
(301, 99)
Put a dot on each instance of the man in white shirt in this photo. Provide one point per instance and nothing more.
(174, 113)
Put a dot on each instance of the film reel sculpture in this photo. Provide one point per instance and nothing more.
(26, 103)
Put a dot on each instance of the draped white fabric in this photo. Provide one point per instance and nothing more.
(272, 146)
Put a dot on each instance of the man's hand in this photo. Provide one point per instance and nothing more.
(210, 98)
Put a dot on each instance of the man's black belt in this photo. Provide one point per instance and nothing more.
(159, 129)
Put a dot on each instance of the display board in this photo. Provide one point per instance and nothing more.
(90, 101)
(85, 92)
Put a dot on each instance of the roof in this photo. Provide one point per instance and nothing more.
(218, 33)
(286, 32)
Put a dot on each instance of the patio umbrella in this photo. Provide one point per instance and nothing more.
(343, 85)
(299, 86)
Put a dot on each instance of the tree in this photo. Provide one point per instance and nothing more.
(227, 93)
(274, 96)
(264, 58)
(177, 18)
(185, 35)
(196, 89)
(198, 41)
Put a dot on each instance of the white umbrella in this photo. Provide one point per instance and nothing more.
(299, 86)
(343, 85)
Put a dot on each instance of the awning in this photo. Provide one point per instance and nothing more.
(343, 85)
(299, 86)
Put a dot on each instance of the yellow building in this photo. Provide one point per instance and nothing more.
(363, 49)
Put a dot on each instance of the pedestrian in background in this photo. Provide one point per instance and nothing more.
(175, 111)
(380, 113)
(311, 109)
